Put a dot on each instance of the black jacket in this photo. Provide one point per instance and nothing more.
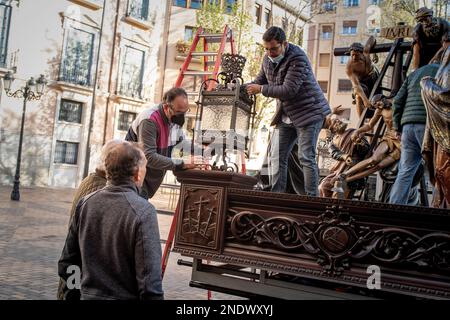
(293, 83)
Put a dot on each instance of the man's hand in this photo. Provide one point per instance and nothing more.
(187, 166)
(254, 88)
(398, 135)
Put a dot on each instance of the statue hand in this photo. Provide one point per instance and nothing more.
(356, 136)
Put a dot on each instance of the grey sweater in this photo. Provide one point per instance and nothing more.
(114, 239)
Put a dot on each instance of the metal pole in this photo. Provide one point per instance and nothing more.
(94, 92)
(15, 194)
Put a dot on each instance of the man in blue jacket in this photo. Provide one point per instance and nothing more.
(286, 75)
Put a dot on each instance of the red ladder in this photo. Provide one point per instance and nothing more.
(208, 38)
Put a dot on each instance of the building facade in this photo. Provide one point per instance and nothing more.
(105, 61)
(101, 60)
(339, 24)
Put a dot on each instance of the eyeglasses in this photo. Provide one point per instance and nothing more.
(274, 49)
(171, 107)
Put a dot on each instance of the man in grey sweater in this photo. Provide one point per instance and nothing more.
(114, 236)
(159, 128)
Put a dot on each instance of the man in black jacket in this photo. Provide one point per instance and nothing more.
(286, 75)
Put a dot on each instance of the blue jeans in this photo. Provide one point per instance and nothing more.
(286, 136)
(410, 158)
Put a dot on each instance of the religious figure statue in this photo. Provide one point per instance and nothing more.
(427, 36)
(362, 73)
(387, 151)
(436, 142)
(345, 151)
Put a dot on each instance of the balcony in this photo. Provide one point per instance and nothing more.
(131, 90)
(75, 73)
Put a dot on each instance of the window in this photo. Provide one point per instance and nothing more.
(324, 60)
(375, 2)
(229, 5)
(70, 111)
(324, 86)
(195, 4)
(343, 59)
(267, 17)
(125, 120)
(258, 14)
(5, 17)
(76, 64)
(180, 3)
(188, 33)
(66, 152)
(329, 6)
(351, 3)
(327, 32)
(132, 72)
(138, 9)
(349, 27)
(344, 85)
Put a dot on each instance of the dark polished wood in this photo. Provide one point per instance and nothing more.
(318, 238)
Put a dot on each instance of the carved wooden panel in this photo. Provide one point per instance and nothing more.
(336, 239)
(200, 219)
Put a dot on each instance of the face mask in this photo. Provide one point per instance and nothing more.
(178, 119)
(276, 59)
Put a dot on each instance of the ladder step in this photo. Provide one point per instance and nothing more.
(216, 40)
(192, 93)
(386, 89)
(211, 35)
(204, 54)
(198, 73)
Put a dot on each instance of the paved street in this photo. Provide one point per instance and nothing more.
(32, 234)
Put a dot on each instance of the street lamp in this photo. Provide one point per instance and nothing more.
(33, 90)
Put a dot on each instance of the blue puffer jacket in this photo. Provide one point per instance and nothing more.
(293, 83)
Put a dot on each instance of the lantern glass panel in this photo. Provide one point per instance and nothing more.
(242, 122)
(217, 117)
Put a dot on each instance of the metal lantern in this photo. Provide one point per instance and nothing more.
(226, 111)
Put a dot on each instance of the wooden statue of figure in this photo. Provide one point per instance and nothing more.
(362, 73)
(344, 150)
(436, 142)
(387, 151)
(427, 36)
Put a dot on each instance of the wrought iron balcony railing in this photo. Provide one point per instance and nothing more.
(75, 73)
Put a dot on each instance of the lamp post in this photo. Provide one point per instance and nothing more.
(32, 90)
